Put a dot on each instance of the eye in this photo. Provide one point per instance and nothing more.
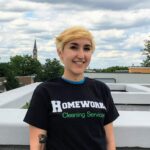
(73, 47)
(87, 48)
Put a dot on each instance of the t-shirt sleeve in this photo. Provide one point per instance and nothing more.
(37, 113)
(111, 110)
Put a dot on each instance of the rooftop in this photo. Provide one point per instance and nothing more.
(132, 128)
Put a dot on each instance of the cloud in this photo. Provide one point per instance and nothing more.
(109, 58)
(111, 54)
(17, 6)
(8, 16)
(119, 27)
(136, 40)
(103, 4)
(123, 19)
(103, 37)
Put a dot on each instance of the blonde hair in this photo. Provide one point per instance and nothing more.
(73, 33)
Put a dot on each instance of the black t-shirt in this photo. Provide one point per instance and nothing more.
(74, 115)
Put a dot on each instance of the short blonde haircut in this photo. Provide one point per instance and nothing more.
(73, 33)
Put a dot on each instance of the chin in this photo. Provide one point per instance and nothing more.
(78, 72)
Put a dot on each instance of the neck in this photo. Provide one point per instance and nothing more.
(73, 77)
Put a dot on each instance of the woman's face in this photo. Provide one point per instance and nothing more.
(76, 56)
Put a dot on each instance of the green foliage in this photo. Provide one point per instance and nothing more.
(146, 62)
(3, 69)
(7, 71)
(51, 69)
(146, 51)
(114, 69)
(25, 65)
(19, 66)
(12, 82)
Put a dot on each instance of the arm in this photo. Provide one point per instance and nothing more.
(34, 138)
(110, 136)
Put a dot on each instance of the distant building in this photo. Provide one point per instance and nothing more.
(121, 71)
(25, 80)
(139, 69)
(35, 50)
(2, 87)
(90, 70)
(2, 84)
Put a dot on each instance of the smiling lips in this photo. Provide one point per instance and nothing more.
(79, 62)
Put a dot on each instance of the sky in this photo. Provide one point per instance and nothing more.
(120, 28)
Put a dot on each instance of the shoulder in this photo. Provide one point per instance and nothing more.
(100, 88)
(97, 83)
(48, 84)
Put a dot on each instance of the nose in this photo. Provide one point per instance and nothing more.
(80, 53)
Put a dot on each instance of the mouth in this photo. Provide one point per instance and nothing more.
(79, 62)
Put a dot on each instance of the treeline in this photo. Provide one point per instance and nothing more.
(112, 69)
(27, 66)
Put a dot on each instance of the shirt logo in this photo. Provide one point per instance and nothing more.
(58, 106)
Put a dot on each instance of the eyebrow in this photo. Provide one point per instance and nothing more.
(76, 44)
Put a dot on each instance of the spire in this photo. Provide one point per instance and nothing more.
(35, 44)
(35, 50)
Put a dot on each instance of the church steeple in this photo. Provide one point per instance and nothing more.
(35, 50)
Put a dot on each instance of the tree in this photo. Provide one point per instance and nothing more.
(3, 69)
(7, 72)
(115, 69)
(51, 69)
(25, 65)
(146, 51)
(12, 82)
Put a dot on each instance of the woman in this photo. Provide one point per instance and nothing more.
(72, 112)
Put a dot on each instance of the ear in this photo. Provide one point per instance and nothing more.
(59, 52)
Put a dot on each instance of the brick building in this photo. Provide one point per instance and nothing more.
(139, 69)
